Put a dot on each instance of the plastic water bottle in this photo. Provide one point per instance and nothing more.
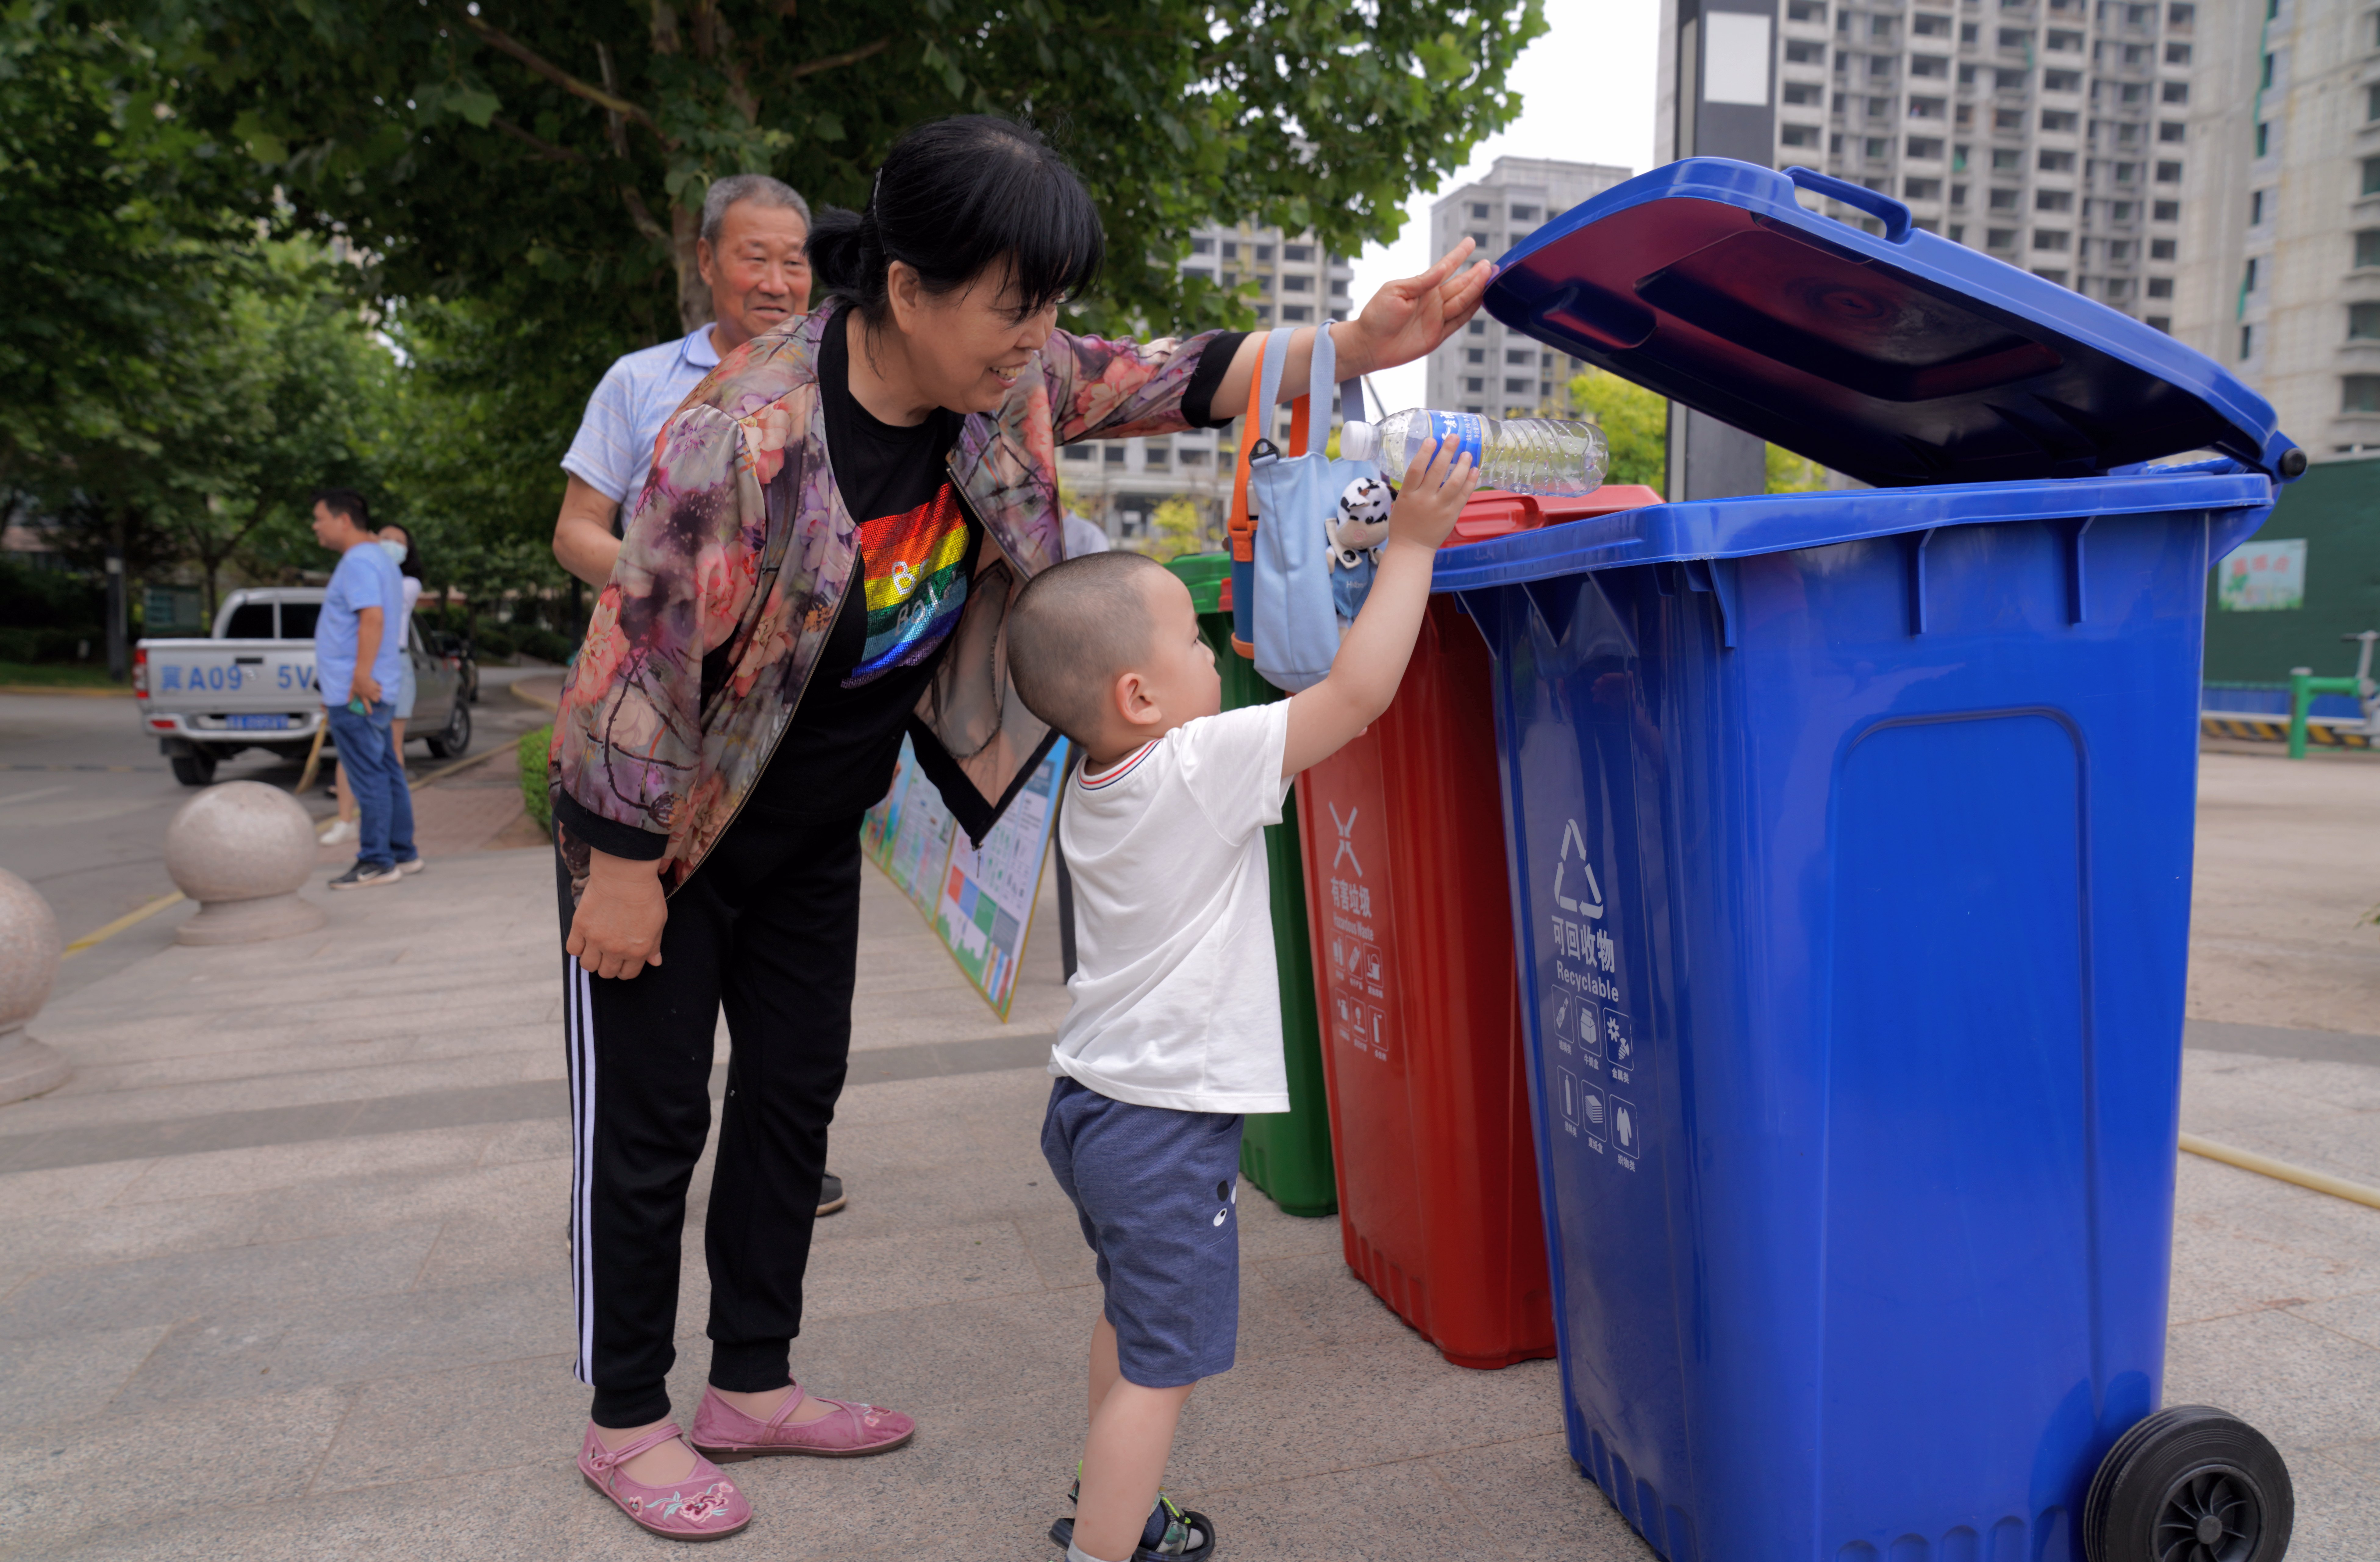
(1544, 456)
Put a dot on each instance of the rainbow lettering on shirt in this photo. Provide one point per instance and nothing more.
(916, 584)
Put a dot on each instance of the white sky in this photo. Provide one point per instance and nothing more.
(1586, 96)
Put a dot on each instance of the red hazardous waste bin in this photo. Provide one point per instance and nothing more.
(1412, 919)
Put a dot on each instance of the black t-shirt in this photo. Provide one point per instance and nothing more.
(917, 548)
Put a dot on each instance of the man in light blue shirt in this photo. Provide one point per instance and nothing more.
(752, 255)
(358, 661)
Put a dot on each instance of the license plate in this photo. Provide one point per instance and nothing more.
(258, 724)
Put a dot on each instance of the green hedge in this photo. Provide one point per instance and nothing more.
(546, 645)
(489, 639)
(51, 599)
(45, 644)
(534, 795)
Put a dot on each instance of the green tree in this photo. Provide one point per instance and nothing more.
(106, 207)
(114, 238)
(171, 384)
(523, 182)
(553, 158)
(474, 468)
(1789, 473)
(1635, 424)
(298, 393)
(1177, 529)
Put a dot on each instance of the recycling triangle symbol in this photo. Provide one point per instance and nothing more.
(1589, 904)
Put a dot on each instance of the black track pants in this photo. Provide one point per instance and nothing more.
(768, 928)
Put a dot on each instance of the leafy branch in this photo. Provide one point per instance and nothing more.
(496, 39)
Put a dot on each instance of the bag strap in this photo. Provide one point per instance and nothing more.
(1319, 378)
(1318, 394)
(1276, 362)
(1264, 388)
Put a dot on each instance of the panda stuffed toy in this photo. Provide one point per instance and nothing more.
(1356, 530)
(1360, 524)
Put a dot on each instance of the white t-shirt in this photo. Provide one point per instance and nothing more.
(1176, 1000)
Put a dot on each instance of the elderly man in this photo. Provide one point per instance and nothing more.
(751, 256)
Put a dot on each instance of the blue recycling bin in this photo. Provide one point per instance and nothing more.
(1849, 846)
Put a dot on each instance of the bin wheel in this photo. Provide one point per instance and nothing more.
(2189, 1483)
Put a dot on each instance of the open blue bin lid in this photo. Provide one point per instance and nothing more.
(1898, 359)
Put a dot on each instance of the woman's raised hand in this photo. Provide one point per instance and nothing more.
(1407, 319)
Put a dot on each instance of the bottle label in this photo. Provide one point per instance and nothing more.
(1466, 428)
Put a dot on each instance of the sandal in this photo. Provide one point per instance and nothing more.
(705, 1506)
(849, 1431)
(1172, 1534)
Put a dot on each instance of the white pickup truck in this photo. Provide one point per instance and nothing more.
(250, 685)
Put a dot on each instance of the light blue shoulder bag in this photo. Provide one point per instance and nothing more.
(1296, 614)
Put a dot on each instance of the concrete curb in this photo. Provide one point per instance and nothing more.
(539, 700)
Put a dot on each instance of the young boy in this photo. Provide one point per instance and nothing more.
(1176, 1027)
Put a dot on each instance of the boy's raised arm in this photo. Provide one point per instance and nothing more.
(1371, 660)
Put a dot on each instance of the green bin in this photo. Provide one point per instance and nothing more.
(1286, 1154)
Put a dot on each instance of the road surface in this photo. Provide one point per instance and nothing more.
(85, 797)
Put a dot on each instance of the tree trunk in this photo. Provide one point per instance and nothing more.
(119, 613)
(693, 293)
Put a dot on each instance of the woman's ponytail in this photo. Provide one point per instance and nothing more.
(835, 256)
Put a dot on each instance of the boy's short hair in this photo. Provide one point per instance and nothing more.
(1073, 629)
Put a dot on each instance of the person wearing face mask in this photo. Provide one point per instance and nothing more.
(398, 546)
(821, 561)
(751, 257)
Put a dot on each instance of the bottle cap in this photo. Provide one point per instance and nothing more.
(1359, 442)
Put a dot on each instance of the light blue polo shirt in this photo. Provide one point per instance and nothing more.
(366, 577)
(613, 452)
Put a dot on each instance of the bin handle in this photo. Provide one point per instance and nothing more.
(1876, 203)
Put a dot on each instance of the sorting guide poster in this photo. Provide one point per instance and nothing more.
(2262, 577)
(908, 834)
(978, 901)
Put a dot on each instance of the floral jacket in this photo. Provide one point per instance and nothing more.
(738, 556)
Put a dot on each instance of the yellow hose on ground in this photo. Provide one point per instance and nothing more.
(2248, 1160)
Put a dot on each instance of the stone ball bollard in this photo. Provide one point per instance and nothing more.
(30, 952)
(242, 851)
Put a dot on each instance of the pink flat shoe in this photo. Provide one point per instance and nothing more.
(848, 1430)
(704, 1506)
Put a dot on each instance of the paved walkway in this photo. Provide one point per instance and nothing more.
(2286, 887)
(281, 1275)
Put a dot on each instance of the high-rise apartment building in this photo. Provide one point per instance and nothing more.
(1485, 368)
(2055, 134)
(2284, 285)
(1120, 482)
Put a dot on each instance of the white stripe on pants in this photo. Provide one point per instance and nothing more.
(580, 1021)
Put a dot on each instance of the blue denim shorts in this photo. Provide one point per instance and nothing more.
(1158, 1193)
